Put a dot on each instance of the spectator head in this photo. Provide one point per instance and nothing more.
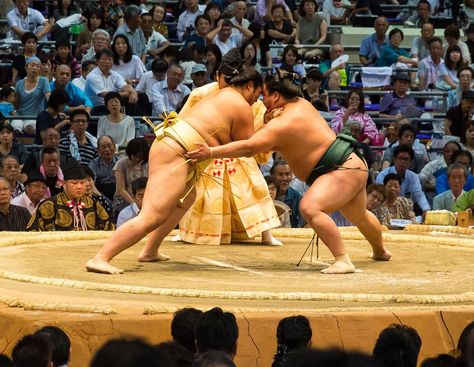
(468, 135)
(177, 353)
(452, 34)
(457, 177)
(89, 185)
(74, 181)
(191, 5)
(147, 23)
(137, 151)
(465, 76)
(406, 135)
(95, 20)
(280, 85)
(202, 24)
(329, 358)
(113, 102)
(217, 330)
(402, 157)
(50, 137)
(159, 67)
(289, 56)
(5, 361)
(63, 48)
(213, 58)
(272, 187)
(435, 45)
(355, 97)
(453, 58)
(10, 168)
(213, 358)
(6, 133)
(213, 11)
(106, 148)
(5, 194)
(293, 333)
(449, 148)
(199, 53)
(392, 183)
(199, 75)
(465, 346)
(121, 49)
(59, 99)
(308, 8)
(281, 172)
(158, 13)
(105, 59)
(33, 66)
(336, 50)
(467, 100)
(401, 83)
(79, 121)
(423, 10)
(427, 31)
(50, 161)
(396, 37)
(397, 346)
(45, 66)
(314, 78)
(278, 12)
(132, 17)
(170, 54)
(87, 67)
(464, 157)
(226, 30)
(36, 188)
(22, 5)
(59, 342)
(100, 40)
(29, 42)
(8, 95)
(183, 327)
(32, 351)
(129, 353)
(63, 75)
(381, 26)
(138, 190)
(442, 360)
(240, 10)
(375, 196)
(248, 52)
(174, 76)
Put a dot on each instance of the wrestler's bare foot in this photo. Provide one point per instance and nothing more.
(342, 265)
(101, 266)
(384, 255)
(147, 258)
(269, 240)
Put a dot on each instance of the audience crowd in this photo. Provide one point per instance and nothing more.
(210, 338)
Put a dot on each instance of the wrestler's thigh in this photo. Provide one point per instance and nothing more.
(356, 209)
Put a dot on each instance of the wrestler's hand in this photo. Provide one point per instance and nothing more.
(269, 115)
(202, 153)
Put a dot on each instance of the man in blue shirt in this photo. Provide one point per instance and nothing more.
(394, 104)
(77, 98)
(411, 186)
(372, 45)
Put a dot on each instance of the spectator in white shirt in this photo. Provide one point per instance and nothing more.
(240, 12)
(155, 41)
(168, 94)
(129, 66)
(35, 192)
(131, 211)
(25, 19)
(336, 10)
(86, 68)
(148, 80)
(100, 40)
(186, 20)
(224, 39)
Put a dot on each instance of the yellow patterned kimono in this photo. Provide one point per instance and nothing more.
(232, 198)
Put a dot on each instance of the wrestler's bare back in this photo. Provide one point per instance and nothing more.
(303, 136)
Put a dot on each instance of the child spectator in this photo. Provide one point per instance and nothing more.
(131, 211)
(64, 56)
(7, 99)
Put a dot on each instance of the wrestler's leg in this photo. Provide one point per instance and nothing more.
(367, 223)
(151, 251)
(166, 183)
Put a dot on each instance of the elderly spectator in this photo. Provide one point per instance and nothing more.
(465, 76)
(148, 80)
(432, 69)
(392, 53)
(32, 94)
(199, 76)
(100, 41)
(79, 144)
(399, 207)
(240, 14)
(410, 183)
(10, 171)
(103, 79)
(419, 46)
(202, 25)
(264, 8)
(78, 211)
(354, 110)
(12, 217)
(279, 29)
(102, 166)
(393, 104)
(336, 76)
(311, 28)
(95, 20)
(372, 45)
(53, 116)
(457, 178)
(336, 10)
(168, 94)
(452, 36)
(155, 41)
(50, 169)
(29, 41)
(186, 19)
(35, 193)
(86, 68)
(131, 211)
(116, 124)
(78, 100)
(158, 14)
(9, 146)
(422, 16)
(463, 157)
(457, 116)
(129, 66)
(132, 30)
(64, 56)
(25, 19)
(223, 37)
(375, 197)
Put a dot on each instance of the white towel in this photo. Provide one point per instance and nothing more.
(376, 76)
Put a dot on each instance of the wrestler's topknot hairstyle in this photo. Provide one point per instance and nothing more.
(245, 76)
(288, 84)
(231, 63)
